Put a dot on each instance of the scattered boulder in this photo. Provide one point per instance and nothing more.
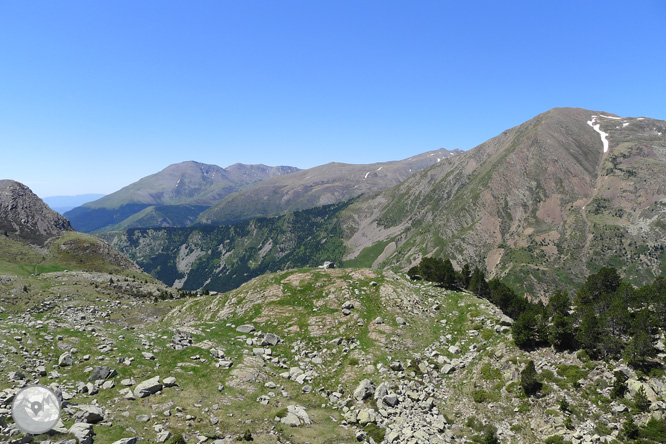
(270, 339)
(148, 387)
(101, 374)
(217, 354)
(16, 376)
(364, 390)
(296, 416)
(390, 400)
(163, 436)
(90, 414)
(83, 432)
(127, 441)
(454, 350)
(181, 339)
(245, 328)
(127, 394)
(65, 360)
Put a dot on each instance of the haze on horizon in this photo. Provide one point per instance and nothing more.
(98, 95)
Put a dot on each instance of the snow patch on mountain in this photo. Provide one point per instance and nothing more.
(597, 127)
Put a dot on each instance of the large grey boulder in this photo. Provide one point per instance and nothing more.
(169, 381)
(634, 386)
(296, 416)
(65, 360)
(246, 328)
(148, 387)
(90, 414)
(102, 373)
(83, 432)
(127, 441)
(381, 391)
(390, 400)
(270, 339)
(364, 390)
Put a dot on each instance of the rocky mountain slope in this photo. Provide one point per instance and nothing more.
(322, 185)
(305, 355)
(541, 205)
(173, 196)
(35, 239)
(25, 217)
(223, 257)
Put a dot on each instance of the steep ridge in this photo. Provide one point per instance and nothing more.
(175, 195)
(321, 185)
(24, 216)
(34, 238)
(541, 204)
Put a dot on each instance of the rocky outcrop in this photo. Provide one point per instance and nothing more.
(24, 216)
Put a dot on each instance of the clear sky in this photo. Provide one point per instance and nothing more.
(96, 94)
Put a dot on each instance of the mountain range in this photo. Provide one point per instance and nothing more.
(541, 205)
(172, 197)
(192, 193)
(323, 185)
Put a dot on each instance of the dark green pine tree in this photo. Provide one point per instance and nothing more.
(523, 330)
(619, 385)
(630, 428)
(589, 334)
(448, 274)
(559, 303)
(639, 349)
(561, 335)
(657, 295)
(528, 379)
(641, 400)
(464, 276)
(478, 284)
(597, 287)
(490, 438)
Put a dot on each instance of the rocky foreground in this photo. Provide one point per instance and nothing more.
(299, 356)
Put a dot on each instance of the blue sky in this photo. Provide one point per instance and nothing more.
(95, 95)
